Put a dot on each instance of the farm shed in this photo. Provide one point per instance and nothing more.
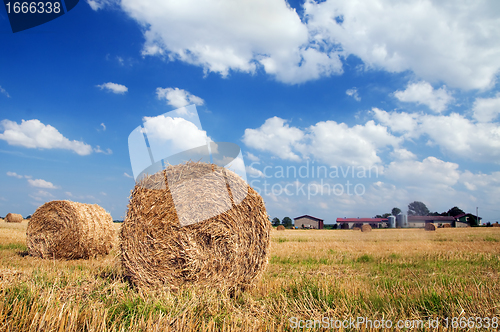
(421, 221)
(349, 223)
(307, 221)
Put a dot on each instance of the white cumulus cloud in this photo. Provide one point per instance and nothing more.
(178, 97)
(113, 87)
(35, 134)
(39, 183)
(486, 109)
(424, 93)
(14, 174)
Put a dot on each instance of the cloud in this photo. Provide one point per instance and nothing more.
(431, 172)
(2, 90)
(39, 183)
(178, 97)
(98, 150)
(327, 141)
(423, 93)
(486, 109)
(34, 134)
(445, 41)
(403, 154)
(128, 175)
(453, 133)
(224, 36)
(274, 136)
(113, 87)
(99, 4)
(454, 42)
(14, 174)
(254, 173)
(353, 93)
(252, 157)
(103, 126)
(177, 134)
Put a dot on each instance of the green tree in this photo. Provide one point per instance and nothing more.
(287, 222)
(455, 211)
(417, 208)
(395, 211)
(276, 222)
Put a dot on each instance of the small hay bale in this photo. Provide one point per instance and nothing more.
(13, 217)
(69, 230)
(430, 227)
(280, 228)
(496, 224)
(228, 250)
(366, 228)
(446, 226)
(356, 229)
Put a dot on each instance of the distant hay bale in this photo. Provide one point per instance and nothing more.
(366, 228)
(430, 227)
(496, 224)
(356, 228)
(280, 228)
(446, 226)
(13, 217)
(69, 230)
(162, 247)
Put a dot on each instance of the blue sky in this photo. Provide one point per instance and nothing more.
(407, 91)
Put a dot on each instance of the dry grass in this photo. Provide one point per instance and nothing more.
(391, 273)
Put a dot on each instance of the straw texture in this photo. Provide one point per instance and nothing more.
(69, 230)
(366, 228)
(430, 227)
(229, 250)
(13, 217)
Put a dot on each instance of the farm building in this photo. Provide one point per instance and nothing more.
(348, 223)
(465, 219)
(307, 221)
(420, 221)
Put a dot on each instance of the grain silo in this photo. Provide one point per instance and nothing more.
(402, 221)
(392, 221)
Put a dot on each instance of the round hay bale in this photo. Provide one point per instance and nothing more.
(356, 228)
(446, 226)
(69, 230)
(496, 224)
(280, 228)
(228, 250)
(430, 227)
(13, 217)
(366, 228)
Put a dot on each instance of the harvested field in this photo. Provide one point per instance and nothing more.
(395, 274)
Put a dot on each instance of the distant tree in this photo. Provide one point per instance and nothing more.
(455, 211)
(287, 222)
(276, 222)
(385, 215)
(28, 217)
(436, 214)
(417, 208)
(378, 216)
(395, 211)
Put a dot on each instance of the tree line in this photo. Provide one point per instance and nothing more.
(287, 222)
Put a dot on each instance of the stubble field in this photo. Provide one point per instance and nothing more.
(318, 277)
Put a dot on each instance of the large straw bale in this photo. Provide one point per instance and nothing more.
(13, 217)
(228, 250)
(280, 228)
(446, 226)
(496, 224)
(69, 230)
(366, 228)
(430, 226)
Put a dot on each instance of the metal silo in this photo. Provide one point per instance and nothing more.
(392, 221)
